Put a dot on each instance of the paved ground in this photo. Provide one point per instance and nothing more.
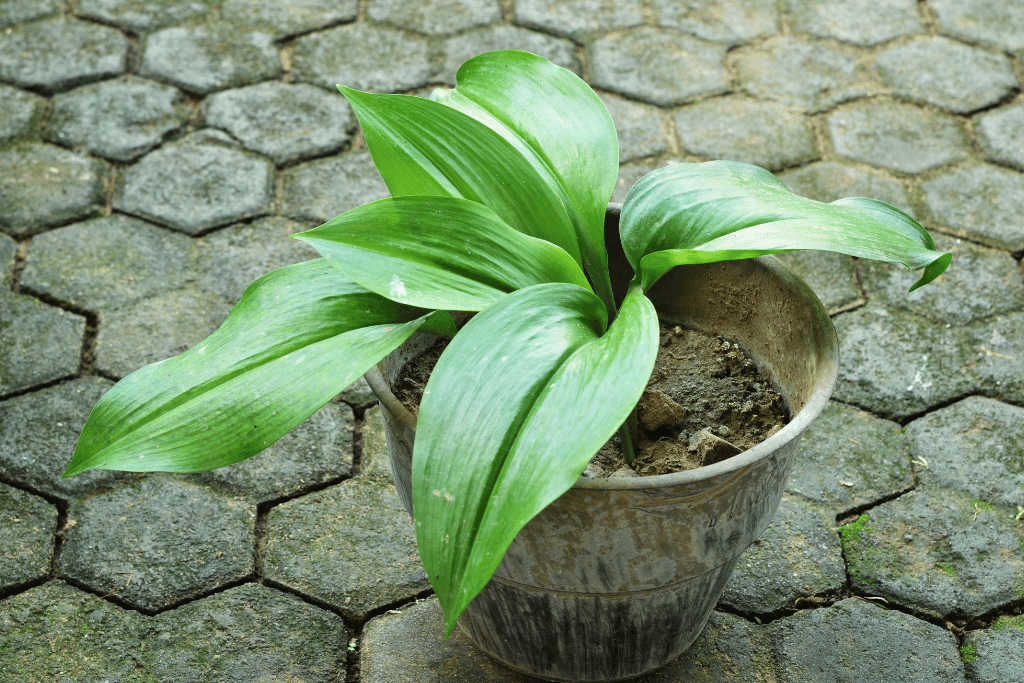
(154, 155)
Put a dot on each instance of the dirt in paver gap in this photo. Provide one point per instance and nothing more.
(705, 402)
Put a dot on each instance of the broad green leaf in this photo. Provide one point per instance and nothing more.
(438, 252)
(298, 336)
(724, 210)
(421, 147)
(517, 405)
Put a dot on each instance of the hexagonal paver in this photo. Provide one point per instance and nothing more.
(640, 128)
(27, 527)
(742, 130)
(173, 539)
(998, 347)
(363, 57)
(980, 203)
(435, 17)
(140, 16)
(351, 546)
(118, 260)
(8, 251)
(358, 394)
(286, 122)
(723, 21)
(658, 65)
(42, 185)
(978, 283)
(828, 181)
(210, 57)
(58, 54)
(38, 343)
(849, 459)
(320, 190)
(812, 75)
(897, 136)
(861, 22)
(946, 73)
(196, 184)
(120, 119)
(995, 655)
(1001, 134)
(989, 21)
(14, 12)
(20, 113)
(375, 463)
(578, 18)
(502, 37)
(283, 18)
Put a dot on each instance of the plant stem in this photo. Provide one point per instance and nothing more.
(627, 437)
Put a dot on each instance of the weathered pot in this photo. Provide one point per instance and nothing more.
(618, 577)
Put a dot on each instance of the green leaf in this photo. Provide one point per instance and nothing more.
(298, 336)
(724, 210)
(438, 252)
(517, 405)
(421, 147)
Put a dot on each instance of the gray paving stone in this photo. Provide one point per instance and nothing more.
(42, 185)
(363, 57)
(320, 190)
(141, 16)
(117, 260)
(995, 655)
(210, 57)
(578, 19)
(798, 555)
(989, 21)
(27, 527)
(461, 48)
(173, 539)
(629, 174)
(20, 113)
(283, 18)
(8, 251)
(828, 181)
(857, 641)
(358, 394)
(980, 203)
(58, 54)
(640, 128)
(658, 66)
(435, 17)
(850, 459)
(724, 21)
(812, 75)
(946, 73)
(897, 136)
(376, 464)
(861, 22)
(198, 183)
(351, 546)
(14, 12)
(119, 119)
(759, 133)
(1001, 134)
(286, 122)
(832, 276)
(933, 551)
(38, 343)
(998, 345)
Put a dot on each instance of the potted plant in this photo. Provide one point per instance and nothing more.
(498, 204)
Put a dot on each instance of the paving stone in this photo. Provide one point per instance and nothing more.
(812, 75)
(850, 459)
(724, 21)
(14, 12)
(1001, 134)
(998, 345)
(117, 261)
(8, 251)
(363, 57)
(629, 175)
(20, 113)
(502, 37)
(933, 551)
(27, 527)
(197, 184)
(320, 190)
(203, 59)
(641, 131)
(995, 655)
(435, 17)
(980, 203)
(946, 73)
(990, 21)
(38, 343)
(658, 66)
(119, 119)
(896, 364)
(578, 19)
(376, 463)
(759, 133)
(351, 546)
(798, 555)
(283, 18)
(832, 276)
(861, 22)
(58, 54)
(286, 122)
(174, 539)
(897, 136)
(152, 330)
(828, 181)
(42, 185)
(979, 283)
(857, 641)
(141, 16)
(358, 394)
